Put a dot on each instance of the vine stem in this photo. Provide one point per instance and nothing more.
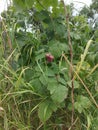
(71, 61)
(8, 38)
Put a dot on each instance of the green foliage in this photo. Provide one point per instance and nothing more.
(82, 103)
(21, 4)
(90, 12)
(45, 110)
(60, 93)
(35, 93)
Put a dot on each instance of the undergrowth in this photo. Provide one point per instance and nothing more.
(48, 68)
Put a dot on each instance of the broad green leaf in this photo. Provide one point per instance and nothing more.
(40, 56)
(43, 80)
(62, 81)
(55, 51)
(58, 10)
(49, 72)
(85, 102)
(19, 4)
(45, 110)
(42, 16)
(56, 48)
(28, 74)
(72, 34)
(76, 84)
(49, 3)
(52, 85)
(38, 87)
(59, 94)
(23, 4)
(55, 68)
(91, 59)
(76, 36)
(94, 47)
(82, 103)
(60, 29)
(78, 107)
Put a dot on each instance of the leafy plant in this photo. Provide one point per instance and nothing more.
(48, 68)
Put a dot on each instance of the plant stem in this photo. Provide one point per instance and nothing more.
(71, 61)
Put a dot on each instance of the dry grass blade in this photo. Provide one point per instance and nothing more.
(86, 88)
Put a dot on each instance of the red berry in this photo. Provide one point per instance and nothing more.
(49, 57)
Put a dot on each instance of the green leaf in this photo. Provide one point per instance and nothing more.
(55, 68)
(95, 123)
(60, 29)
(85, 102)
(38, 87)
(49, 72)
(94, 47)
(42, 16)
(55, 51)
(45, 110)
(23, 4)
(59, 94)
(43, 80)
(72, 34)
(40, 56)
(95, 76)
(56, 48)
(62, 81)
(76, 36)
(52, 85)
(76, 84)
(49, 3)
(28, 74)
(91, 59)
(78, 107)
(82, 103)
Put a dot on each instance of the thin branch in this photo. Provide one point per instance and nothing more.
(71, 60)
(73, 123)
(8, 38)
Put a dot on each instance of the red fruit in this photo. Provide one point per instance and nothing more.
(49, 57)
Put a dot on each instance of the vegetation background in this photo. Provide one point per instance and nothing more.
(48, 66)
